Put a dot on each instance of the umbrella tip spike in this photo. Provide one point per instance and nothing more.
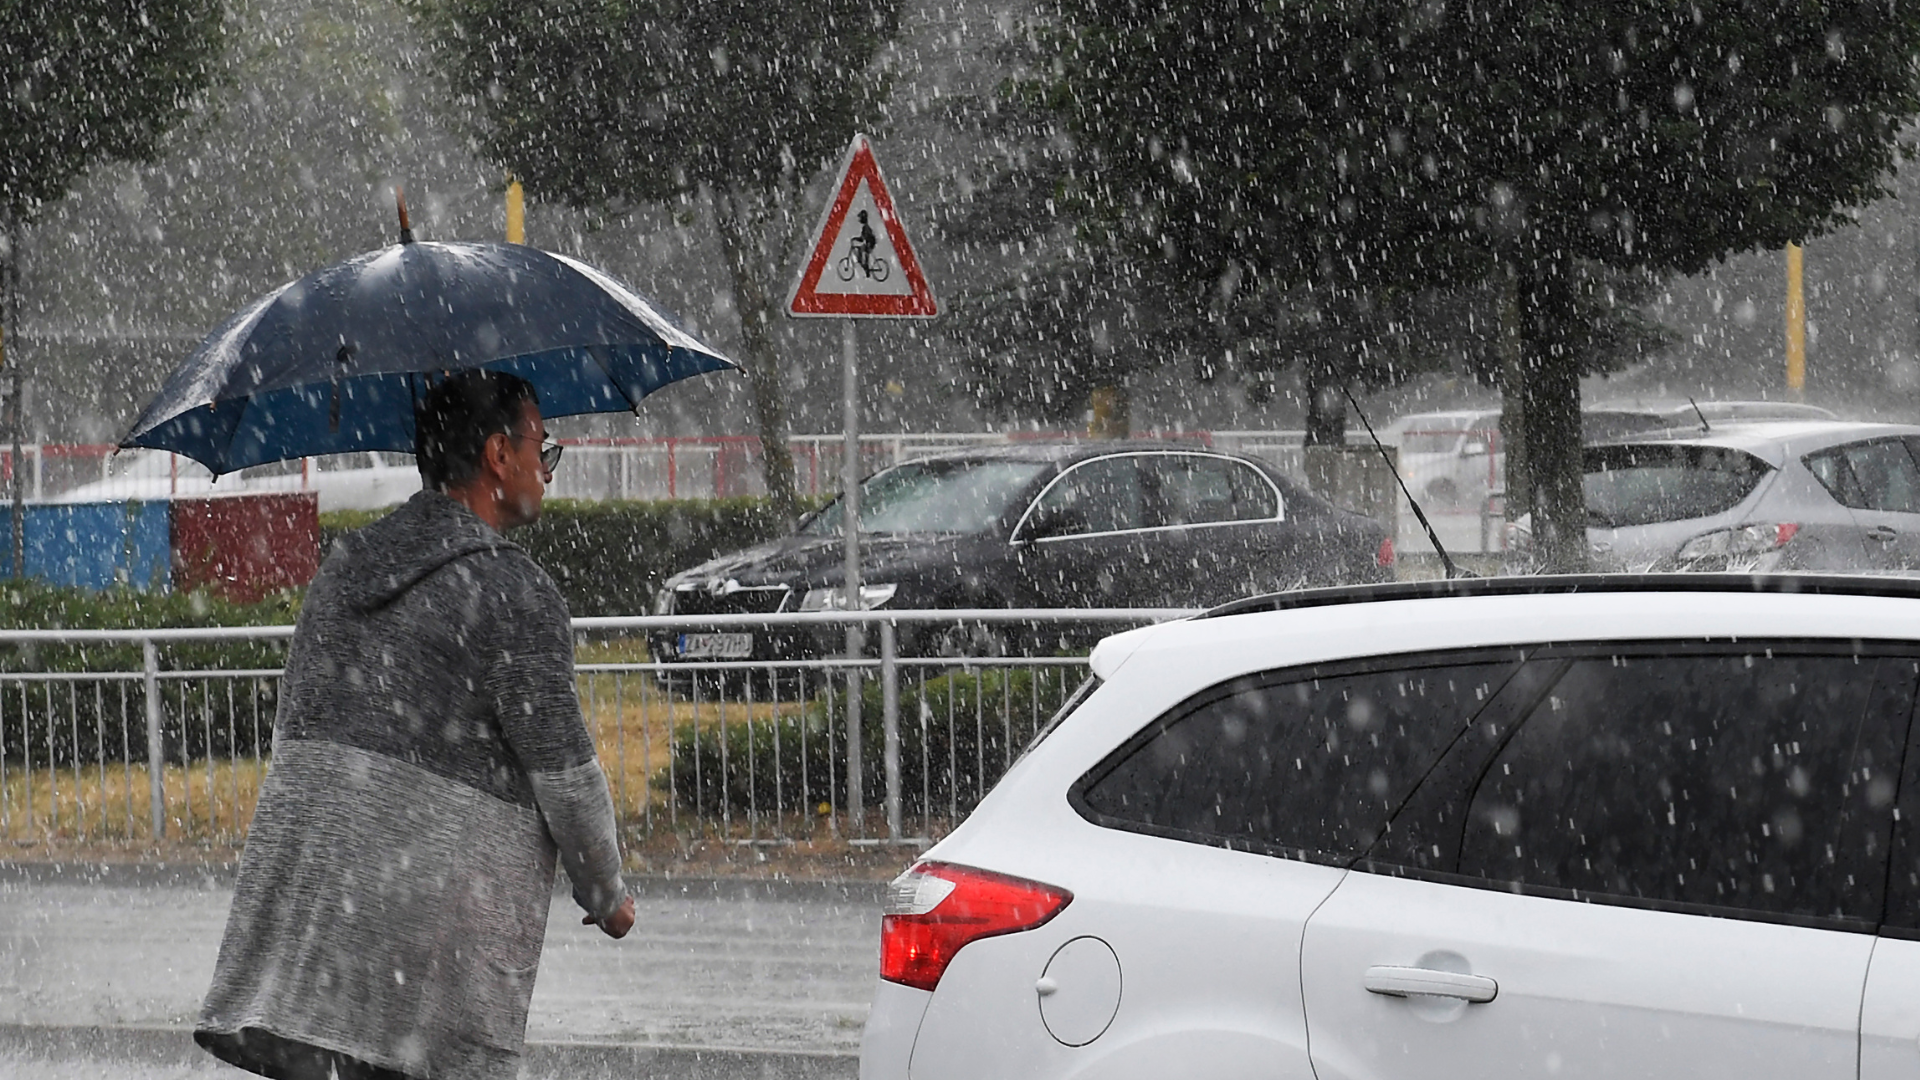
(406, 226)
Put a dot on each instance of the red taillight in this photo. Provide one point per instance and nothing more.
(1385, 555)
(935, 909)
(1787, 531)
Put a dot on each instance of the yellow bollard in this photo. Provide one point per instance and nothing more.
(1796, 323)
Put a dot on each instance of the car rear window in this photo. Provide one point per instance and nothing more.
(1743, 778)
(1643, 485)
(1298, 764)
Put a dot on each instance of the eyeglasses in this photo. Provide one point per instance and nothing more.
(549, 451)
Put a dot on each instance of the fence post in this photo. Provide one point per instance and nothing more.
(156, 790)
(856, 788)
(890, 722)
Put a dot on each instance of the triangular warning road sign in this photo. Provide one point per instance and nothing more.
(860, 264)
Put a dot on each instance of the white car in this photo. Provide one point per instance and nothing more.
(1580, 827)
(1449, 459)
(1452, 461)
(357, 481)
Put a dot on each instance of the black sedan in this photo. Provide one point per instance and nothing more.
(1037, 525)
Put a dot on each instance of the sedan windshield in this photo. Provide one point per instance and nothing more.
(1642, 485)
(934, 496)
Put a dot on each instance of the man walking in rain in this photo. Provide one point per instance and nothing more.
(430, 763)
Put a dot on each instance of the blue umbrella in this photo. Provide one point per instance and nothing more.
(335, 361)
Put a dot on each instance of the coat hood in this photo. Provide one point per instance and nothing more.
(380, 562)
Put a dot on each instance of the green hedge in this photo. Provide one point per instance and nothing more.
(33, 606)
(609, 557)
(974, 722)
(88, 720)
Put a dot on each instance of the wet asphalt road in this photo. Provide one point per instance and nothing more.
(101, 973)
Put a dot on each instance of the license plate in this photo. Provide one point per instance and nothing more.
(716, 646)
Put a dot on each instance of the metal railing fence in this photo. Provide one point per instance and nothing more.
(889, 747)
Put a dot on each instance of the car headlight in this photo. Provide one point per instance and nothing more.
(1744, 540)
(835, 599)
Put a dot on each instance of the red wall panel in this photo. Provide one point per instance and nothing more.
(246, 546)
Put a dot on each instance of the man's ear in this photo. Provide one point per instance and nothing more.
(494, 455)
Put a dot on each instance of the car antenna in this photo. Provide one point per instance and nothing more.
(1705, 428)
(1433, 537)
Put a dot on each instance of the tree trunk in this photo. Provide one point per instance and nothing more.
(1550, 400)
(1326, 406)
(16, 418)
(1325, 374)
(743, 240)
(1111, 412)
(1513, 414)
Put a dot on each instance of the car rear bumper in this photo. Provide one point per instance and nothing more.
(886, 1047)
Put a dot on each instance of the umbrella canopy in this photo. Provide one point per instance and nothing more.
(335, 361)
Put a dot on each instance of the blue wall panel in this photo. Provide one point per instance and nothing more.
(95, 545)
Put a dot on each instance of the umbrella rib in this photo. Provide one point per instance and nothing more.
(602, 356)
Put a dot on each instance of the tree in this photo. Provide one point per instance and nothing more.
(607, 104)
(1535, 143)
(1081, 312)
(86, 81)
(1223, 139)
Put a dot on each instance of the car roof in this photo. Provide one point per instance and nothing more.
(1754, 409)
(1410, 421)
(1069, 451)
(1773, 441)
(1569, 584)
(1351, 622)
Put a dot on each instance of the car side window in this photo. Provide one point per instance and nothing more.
(1877, 475)
(1194, 489)
(1097, 496)
(1746, 779)
(1830, 468)
(1301, 764)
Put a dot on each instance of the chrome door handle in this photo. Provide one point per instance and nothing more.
(1882, 533)
(1402, 981)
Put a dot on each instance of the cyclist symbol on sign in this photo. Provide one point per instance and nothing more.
(860, 255)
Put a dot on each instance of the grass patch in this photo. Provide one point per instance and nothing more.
(110, 803)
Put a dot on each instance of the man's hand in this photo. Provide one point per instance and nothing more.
(617, 924)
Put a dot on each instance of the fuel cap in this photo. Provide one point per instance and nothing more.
(1080, 991)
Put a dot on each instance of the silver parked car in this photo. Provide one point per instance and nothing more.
(1779, 495)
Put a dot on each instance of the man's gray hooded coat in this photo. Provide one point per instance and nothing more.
(429, 763)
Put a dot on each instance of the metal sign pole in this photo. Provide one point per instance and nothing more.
(850, 524)
(846, 276)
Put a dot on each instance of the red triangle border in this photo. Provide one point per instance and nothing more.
(806, 301)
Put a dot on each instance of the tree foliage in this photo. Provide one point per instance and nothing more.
(81, 82)
(94, 80)
(1537, 145)
(1078, 309)
(611, 104)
